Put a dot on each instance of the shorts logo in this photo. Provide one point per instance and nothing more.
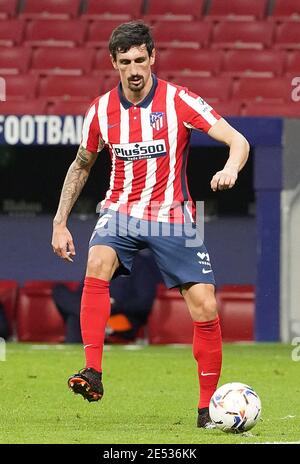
(203, 256)
(140, 150)
(205, 261)
(157, 120)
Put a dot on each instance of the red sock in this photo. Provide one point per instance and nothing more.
(94, 313)
(207, 350)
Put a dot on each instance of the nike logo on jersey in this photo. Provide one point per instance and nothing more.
(204, 374)
(206, 271)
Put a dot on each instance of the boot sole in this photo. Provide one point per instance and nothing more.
(83, 388)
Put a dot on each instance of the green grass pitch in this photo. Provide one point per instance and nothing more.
(151, 395)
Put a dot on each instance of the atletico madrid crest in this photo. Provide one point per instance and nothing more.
(157, 120)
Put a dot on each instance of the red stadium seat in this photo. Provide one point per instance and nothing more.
(178, 10)
(64, 33)
(213, 90)
(293, 63)
(8, 8)
(21, 87)
(241, 35)
(227, 108)
(66, 88)
(110, 83)
(11, 32)
(249, 63)
(248, 10)
(232, 291)
(103, 63)
(273, 89)
(69, 107)
(14, 60)
(49, 284)
(185, 34)
(36, 106)
(286, 10)
(236, 310)
(38, 319)
(175, 63)
(99, 33)
(50, 9)
(113, 9)
(288, 110)
(71, 61)
(169, 320)
(287, 36)
(8, 298)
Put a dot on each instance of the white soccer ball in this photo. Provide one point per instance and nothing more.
(235, 407)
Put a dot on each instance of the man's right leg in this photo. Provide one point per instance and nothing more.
(94, 314)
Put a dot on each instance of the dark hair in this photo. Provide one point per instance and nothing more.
(129, 35)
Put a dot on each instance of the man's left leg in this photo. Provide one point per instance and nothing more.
(207, 343)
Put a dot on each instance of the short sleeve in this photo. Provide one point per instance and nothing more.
(91, 135)
(195, 112)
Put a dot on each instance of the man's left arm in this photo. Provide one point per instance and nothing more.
(238, 154)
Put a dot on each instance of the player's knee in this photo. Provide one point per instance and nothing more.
(205, 310)
(98, 267)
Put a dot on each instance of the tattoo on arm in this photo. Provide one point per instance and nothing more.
(82, 157)
(75, 180)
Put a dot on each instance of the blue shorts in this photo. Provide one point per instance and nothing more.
(178, 249)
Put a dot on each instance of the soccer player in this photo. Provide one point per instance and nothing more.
(146, 123)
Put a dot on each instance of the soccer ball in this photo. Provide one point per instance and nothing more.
(235, 407)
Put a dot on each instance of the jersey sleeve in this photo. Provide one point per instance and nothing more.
(195, 112)
(91, 135)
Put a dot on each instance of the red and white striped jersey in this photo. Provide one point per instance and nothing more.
(148, 143)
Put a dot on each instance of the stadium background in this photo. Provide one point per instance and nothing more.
(243, 57)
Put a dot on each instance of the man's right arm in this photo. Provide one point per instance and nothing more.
(75, 180)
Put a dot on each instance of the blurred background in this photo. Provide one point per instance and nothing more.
(241, 56)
